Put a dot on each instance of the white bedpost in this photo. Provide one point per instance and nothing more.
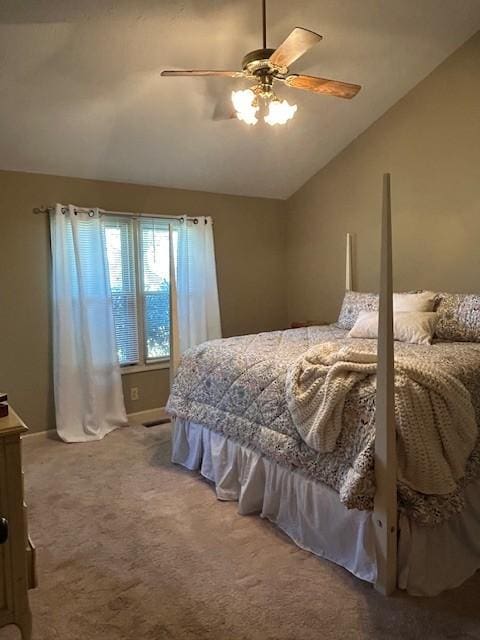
(348, 264)
(385, 507)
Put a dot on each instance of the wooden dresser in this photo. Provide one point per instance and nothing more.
(17, 553)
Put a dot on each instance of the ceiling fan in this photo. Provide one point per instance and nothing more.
(267, 66)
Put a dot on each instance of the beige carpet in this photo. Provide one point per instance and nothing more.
(131, 547)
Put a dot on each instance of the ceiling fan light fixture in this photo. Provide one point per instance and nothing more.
(279, 112)
(269, 66)
(246, 105)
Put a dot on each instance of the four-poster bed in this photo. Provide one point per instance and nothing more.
(233, 423)
(385, 509)
(385, 505)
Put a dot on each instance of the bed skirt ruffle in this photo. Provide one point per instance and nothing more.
(430, 559)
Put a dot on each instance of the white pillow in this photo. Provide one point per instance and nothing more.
(416, 327)
(423, 301)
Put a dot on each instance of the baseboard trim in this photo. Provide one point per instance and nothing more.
(133, 418)
(46, 433)
(146, 416)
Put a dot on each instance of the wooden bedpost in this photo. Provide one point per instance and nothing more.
(385, 507)
(348, 264)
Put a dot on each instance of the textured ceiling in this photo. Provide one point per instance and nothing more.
(81, 94)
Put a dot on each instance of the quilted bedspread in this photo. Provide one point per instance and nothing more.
(236, 386)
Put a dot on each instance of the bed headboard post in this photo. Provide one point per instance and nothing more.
(385, 507)
(348, 264)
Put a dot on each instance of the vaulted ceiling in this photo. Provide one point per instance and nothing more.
(81, 94)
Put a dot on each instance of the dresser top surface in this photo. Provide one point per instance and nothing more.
(11, 424)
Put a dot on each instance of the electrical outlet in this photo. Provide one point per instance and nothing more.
(134, 393)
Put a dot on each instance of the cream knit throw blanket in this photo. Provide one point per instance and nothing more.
(435, 420)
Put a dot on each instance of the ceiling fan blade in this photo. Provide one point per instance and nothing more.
(323, 85)
(297, 43)
(203, 72)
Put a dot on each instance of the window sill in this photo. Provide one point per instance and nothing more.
(142, 368)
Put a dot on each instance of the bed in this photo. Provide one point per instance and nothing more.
(232, 423)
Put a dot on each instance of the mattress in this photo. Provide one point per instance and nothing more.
(236, 386)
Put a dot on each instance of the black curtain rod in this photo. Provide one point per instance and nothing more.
(91, 213)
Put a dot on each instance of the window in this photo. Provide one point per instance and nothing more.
(138, 256)
(121, 267)
(155, 287)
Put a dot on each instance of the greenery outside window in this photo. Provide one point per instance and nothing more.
(138, 255)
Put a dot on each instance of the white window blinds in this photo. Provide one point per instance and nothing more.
(155, 288)
(121, 264)
(138, 259)
(139, 269)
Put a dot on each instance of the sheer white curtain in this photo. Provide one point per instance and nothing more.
(87, 382)
(195, 307)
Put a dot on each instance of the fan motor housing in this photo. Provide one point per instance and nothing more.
(258, 63)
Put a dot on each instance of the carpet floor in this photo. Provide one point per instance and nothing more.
(131, 547)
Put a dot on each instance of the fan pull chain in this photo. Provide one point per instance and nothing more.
(264, 20)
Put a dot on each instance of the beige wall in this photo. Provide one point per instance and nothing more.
(430, 142)
(250, 250)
